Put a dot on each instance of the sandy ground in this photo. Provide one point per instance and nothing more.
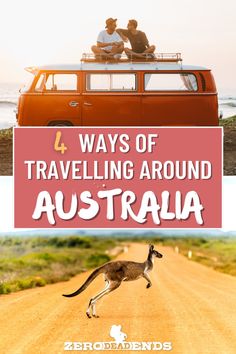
(190, 305)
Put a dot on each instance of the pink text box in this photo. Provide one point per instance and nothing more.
(172, 144)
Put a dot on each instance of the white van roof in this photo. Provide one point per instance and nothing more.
(150, 66)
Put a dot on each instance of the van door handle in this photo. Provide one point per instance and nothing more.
(87, 104)
(73, 103)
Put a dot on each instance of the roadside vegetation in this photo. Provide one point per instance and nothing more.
(217, 253)
(6, 133)
(28, 262)
(6, 150)
(228, 122)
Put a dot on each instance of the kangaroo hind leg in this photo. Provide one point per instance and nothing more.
(92, 303)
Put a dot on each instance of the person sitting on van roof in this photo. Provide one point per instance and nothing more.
(109, 42)
(138, 40)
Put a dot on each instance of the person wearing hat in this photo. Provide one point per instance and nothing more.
(140, 47)
(109, 42)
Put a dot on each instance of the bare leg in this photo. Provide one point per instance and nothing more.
(104, 54)
(100, 53)
(132, 54)
(96, 50)
(146, 276)
(117, 49)
(150, 49)
(92, 303)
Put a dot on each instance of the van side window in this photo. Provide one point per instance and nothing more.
(56, 82)
(170, 82)
(61, 82)
(111, 82)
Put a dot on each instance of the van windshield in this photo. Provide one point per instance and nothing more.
(29, 81)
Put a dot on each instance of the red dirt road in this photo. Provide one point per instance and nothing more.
(189, 305)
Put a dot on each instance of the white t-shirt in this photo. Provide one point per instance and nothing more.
(105, 37)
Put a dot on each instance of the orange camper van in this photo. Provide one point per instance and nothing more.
(151, 92)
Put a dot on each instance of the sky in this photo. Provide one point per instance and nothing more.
(37, 32)
(7, 214)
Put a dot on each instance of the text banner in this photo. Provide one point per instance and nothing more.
(118, 177)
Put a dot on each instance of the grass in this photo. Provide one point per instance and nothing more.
(6, 133)
(30, 262)
(228, 122)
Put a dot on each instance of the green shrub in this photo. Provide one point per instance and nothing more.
(28, 283)
(71, 241)
(97, 259)
(4, 288)
(22, 259)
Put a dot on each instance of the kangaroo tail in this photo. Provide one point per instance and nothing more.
(92, 276)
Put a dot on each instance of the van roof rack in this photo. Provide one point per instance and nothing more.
(155, 57)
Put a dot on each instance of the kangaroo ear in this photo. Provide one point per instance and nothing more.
(151, 247)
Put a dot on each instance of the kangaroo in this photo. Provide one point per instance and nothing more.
(116, 272)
